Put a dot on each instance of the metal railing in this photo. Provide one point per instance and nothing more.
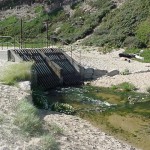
(13, 42)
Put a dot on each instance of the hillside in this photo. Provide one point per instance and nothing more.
(111, 23)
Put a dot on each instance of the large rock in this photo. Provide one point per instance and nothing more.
(88, 73)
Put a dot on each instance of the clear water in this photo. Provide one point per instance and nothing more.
(79, 98)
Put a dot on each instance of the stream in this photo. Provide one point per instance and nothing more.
(81, 98)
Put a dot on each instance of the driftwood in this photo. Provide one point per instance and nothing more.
(131, 56)
(126, 55)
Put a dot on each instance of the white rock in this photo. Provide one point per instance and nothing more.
(26, 85)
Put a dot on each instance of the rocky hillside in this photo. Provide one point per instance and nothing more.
(111, 23)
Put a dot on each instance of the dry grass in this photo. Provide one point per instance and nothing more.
(16, 72)
(27, 118)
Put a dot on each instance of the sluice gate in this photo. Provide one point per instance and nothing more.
(52, 67)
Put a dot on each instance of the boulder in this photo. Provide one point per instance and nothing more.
(88, 73)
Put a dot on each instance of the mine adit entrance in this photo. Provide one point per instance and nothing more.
(52, 67)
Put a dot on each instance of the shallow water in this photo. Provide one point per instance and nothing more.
(83, 97)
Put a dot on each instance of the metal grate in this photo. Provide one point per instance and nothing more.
(46, 76)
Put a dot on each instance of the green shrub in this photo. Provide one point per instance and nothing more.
(40, 100)
(27, 118)
(55, 129)
(133, 42)
(48, 143)
(16, 72)
(63, 108)
(143, 31)
(125, 72)
(118, 28)
(125, 86)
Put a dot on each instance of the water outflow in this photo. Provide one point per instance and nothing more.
(77, 95)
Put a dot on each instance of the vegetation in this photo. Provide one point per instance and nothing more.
(49, 143)
(64, 29)
(16, 72)
(40, 100)
(27, 118)
(127, 26)
(143, 31)
(125, 72)
(124, 87)
(56, 129)
(63, 108)
(121, 28)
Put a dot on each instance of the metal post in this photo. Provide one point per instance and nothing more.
(71, 54)
(47, 32)
(14, 42)
(21, 33)
(2, 44)
(71, 51)
(80, 56)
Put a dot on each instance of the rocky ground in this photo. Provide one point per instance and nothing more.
(139, 73)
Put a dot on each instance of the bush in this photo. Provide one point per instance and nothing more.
(16, 73)
(125, 72)
(55, 129)
(133, 42)
(40, 100)
(49, 143)
(125, 86)
(63, 108)
(118, 28)
(27, 118)
(143, 31)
